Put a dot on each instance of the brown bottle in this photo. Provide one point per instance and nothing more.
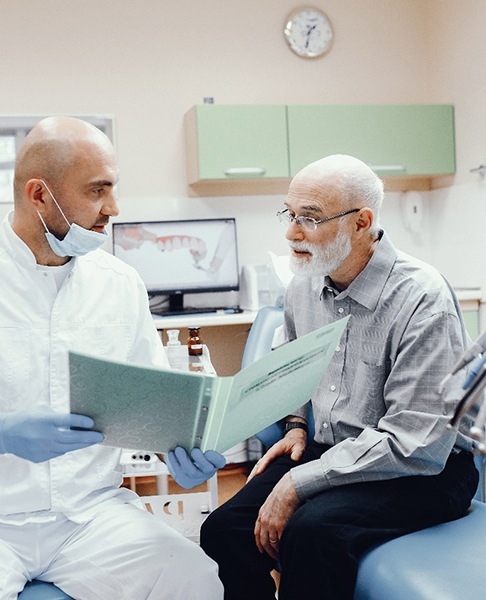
(194, 342)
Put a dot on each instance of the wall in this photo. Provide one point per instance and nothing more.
(148, 62)
(457, 51)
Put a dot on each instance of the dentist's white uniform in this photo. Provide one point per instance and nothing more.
(67, 520)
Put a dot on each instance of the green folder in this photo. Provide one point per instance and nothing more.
(158, 409)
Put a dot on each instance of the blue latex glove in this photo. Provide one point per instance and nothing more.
(189, 473)
(41, 433)
(474, 369)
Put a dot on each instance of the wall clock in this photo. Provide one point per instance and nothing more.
(308, 32)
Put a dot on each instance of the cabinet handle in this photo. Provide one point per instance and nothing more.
(255, 171)
(388, 167)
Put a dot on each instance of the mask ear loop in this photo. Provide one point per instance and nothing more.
(56, 203)
(43, 222)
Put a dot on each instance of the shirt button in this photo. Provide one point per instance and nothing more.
(325, 425)
(340, 310)
(332, 388)
(338, 349)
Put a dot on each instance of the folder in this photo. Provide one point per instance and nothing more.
(158, 409)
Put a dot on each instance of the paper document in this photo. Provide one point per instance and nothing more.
(159, 409)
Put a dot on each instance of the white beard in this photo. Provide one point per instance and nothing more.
(322, 260)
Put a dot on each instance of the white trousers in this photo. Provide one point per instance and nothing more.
(124, 553)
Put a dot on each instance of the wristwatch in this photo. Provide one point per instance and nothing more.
(289, 425)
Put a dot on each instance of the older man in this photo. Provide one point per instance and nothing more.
(63, 516)
(382, 461)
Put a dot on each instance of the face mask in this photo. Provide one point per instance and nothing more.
(78, 241)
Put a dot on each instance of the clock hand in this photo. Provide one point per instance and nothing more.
(309, 31)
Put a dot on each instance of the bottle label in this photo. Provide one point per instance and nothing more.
(195, 349)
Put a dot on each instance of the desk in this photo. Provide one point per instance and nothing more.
(224, 334)
(218, 319)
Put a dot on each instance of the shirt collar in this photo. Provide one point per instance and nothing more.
(17, 249)
(15, 246)
(367, 287)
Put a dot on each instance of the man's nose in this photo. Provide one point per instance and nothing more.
(294, 232)
(110, 207)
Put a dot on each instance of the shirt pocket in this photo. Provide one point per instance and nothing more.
(367, 403)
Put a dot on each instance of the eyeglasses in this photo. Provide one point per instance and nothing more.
(308, 223)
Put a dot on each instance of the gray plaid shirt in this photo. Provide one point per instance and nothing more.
(377, 404)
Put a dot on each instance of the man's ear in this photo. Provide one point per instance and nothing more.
(364, 220)
(36, 192)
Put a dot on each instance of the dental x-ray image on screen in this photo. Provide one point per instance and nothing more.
(177, 257)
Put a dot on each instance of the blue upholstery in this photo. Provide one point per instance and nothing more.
(445, 562)
(39, 590)
(260, 338)
(480, 461)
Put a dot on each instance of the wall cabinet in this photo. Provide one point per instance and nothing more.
(236, 142)
(256, 149)
(469, 300)
(399, 139)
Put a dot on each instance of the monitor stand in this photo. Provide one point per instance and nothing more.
(176, 307)
(176, 304)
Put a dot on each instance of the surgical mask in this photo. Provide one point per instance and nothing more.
(78, 241)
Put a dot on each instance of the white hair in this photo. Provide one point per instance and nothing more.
(358, 184)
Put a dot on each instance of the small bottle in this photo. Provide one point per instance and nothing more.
(175, 352)
(173, 337)
(194, 342)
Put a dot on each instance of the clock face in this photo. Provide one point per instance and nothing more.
(308, 32)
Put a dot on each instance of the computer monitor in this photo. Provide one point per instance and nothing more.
(178, 257)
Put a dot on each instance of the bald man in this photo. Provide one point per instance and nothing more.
(381, 462)
(63, 516)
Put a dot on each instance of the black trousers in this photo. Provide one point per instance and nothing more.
(321, 546)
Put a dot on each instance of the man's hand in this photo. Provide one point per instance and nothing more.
(190, 471)
(293, 443)
(274, 516)
(41, 434)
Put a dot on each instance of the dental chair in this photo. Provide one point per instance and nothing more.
(444, 562)
(40, 590)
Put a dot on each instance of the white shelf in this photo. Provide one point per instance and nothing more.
(205, 319)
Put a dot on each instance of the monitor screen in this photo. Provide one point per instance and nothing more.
(177, 257)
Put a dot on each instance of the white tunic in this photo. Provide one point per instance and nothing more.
(101, 308)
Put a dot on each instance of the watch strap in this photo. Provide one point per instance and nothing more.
(289, 425)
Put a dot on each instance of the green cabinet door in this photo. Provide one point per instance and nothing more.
(394, 139)
(247, 141)
(471, 321)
